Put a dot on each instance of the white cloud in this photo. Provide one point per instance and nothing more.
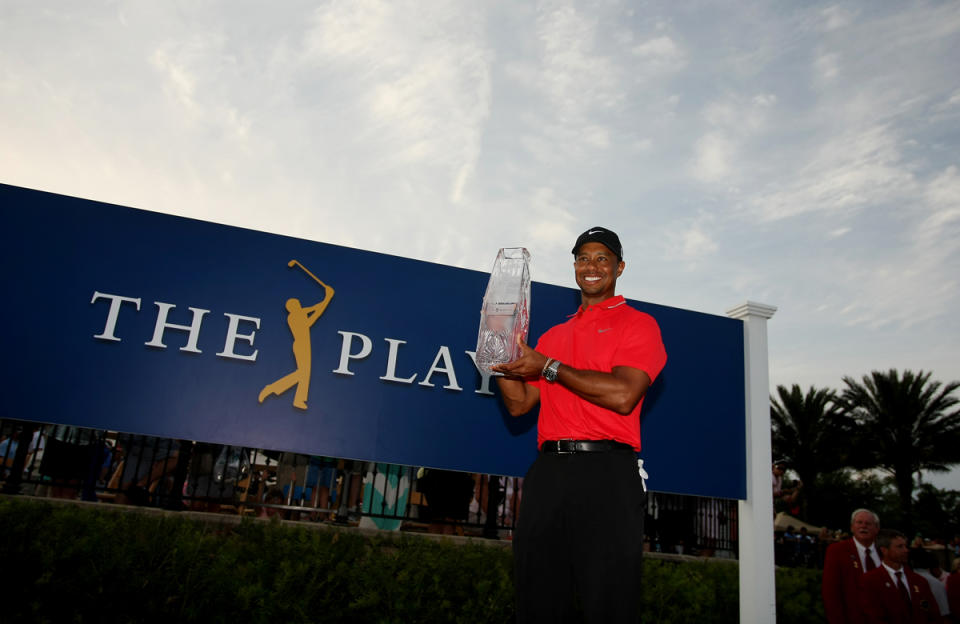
(696, 243)
(765, 99)
(827, 66)
(575, 76)
(795, 160)
(943, 192)
(181, 82)
(713, 158)
(836, 17)
(738, 114)
(733, 121)
(936, 242)
(186, 70)
(660, 53)
(642, 145)
(421, 79)
(688, 240)
(849, 172)
(916, 280)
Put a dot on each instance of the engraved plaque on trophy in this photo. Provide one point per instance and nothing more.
(506, 309)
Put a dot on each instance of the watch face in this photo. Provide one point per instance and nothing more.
(551, 373)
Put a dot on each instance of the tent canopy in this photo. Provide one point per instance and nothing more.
(784, 520)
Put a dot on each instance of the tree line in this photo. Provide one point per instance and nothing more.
(867, 445)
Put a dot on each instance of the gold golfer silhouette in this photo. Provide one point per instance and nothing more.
(299, 320)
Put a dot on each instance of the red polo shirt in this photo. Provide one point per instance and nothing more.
(605, 335)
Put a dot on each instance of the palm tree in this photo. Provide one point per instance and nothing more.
(807, 431)
(905, 425)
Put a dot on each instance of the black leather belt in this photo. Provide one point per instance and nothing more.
(583, 446)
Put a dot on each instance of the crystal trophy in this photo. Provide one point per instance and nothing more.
(506, 309)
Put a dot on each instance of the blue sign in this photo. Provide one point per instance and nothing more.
(128, 320)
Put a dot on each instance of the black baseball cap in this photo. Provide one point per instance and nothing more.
(600, 235)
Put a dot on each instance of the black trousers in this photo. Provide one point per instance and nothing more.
(579, 539)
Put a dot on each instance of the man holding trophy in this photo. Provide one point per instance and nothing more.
(579, 533)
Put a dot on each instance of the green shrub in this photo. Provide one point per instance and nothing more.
(69, 563)
(798, 596)
(681, 592)
(96, 565)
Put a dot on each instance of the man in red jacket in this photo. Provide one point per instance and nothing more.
(844, 566)
(893, 593)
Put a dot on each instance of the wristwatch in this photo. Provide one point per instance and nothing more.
(551, 369)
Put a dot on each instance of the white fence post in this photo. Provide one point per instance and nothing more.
(758, 596)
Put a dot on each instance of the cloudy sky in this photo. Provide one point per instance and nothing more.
(804, 155)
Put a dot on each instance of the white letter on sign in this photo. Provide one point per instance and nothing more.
(115, 302)
(485, 375)
(232, 336)
(442, 354)
(346, 356)
(391, 374)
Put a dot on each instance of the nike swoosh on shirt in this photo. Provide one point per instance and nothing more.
(600, 331)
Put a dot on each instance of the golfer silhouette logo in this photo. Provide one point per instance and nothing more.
(299, 320)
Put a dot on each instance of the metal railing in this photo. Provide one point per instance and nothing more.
(111, 467)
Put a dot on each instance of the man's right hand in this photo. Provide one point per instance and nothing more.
(529, 364)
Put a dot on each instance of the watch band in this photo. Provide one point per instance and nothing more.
(543, 371)
(551, 370)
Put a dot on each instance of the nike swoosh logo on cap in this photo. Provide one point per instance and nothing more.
(593, 232)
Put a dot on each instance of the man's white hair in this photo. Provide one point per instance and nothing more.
(876, 518)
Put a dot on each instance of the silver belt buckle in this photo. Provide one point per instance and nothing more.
(562, 452)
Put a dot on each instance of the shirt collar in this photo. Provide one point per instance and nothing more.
(606, 304)
(893, 573)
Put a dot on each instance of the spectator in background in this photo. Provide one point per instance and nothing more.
(326, 469)
(146, 462)
(70, 455)
(805, 549)
(893, 593)
(938, 572)
(844, 567)
(448, 495)
(273, 496)
(9, 444)
(297, 475)
(350, 506)
(779, 468)
(922, 561)
(203, 491)
(785, 498)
